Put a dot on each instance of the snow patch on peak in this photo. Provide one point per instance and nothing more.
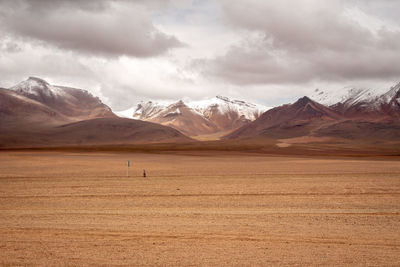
(224, 105)
(234, 101)
(36, 86)
(392, 92)
(146, 110)
(347, 96)
(180, 103)
(126, 113)
(369, 99)
(223, 98)
(38, 81)
(392, 95)
(221, 104)
(357, 95)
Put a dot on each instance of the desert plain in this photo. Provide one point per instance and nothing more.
(198, 208)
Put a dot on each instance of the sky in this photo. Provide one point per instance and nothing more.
(267, 52)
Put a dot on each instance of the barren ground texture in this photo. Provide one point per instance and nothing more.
(210, 208)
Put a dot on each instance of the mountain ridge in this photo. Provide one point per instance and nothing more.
(34, 110)
(363, 102)
(76, 104)
(34, 113)
(210, 116)
(357, 116)
(289, 120)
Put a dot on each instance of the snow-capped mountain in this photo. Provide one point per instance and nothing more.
(143, 111)
(224, 105)
(36, 87)
(392, 97)
(70, 102)
(218, 114)
(347, 95)
(353, 102)
(290, 120)
(36, 113)
(348, 114)
(147, 110)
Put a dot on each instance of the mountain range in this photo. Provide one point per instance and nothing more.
(216, 115)
(361, 114)
(35, 113)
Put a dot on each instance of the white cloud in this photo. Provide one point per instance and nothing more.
(313, 41)
(269, 52)
(114, 30)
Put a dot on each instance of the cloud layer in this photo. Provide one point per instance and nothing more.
(269, 52)
(313, 40)
(109, 28)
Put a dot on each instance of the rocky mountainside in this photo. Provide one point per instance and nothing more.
(16, 109)
(289, 120)
(359, 114)
(35, 113)
(77, 104)
(219, 114)
(363, 103)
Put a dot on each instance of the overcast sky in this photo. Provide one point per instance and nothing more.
(268, 52)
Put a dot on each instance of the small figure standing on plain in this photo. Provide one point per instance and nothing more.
(144, 173)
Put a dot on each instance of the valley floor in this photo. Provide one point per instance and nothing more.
(207, 208)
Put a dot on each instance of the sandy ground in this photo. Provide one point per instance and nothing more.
(60, 208)
(302, 140)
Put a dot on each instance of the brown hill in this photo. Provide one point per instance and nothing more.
(210, 117)
(17, 110)
(76, 104)
(291, 120)
(368, 130)
(184, 119)
(367, 104)
(97, 131)
(225, 121)
(34, 104)
(352, 121)
(35, 114)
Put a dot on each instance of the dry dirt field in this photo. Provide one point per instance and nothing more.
(63, 208)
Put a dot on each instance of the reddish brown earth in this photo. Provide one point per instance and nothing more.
(37, 114)
(198, 208)
(306, 118)
(90, 132)
(75, 118)
(201, 121)
(74, 104)
(184, 119)
(291, 120)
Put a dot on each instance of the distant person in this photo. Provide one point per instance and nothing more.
(144, 173)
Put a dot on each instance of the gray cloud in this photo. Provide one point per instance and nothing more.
(10, 46)
(110, 28)
(265, 51)
(312, 40)
(58, 67)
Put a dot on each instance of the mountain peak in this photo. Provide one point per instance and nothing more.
(177, 104)
(361, 102)
(303, 101)
(395, 89)
(207, 116)
(347, 95)
(393, 96)
(224, 98)
(35, 86)
(37, 80)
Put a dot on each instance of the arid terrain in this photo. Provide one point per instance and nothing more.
(199, 133)
(198, 208)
